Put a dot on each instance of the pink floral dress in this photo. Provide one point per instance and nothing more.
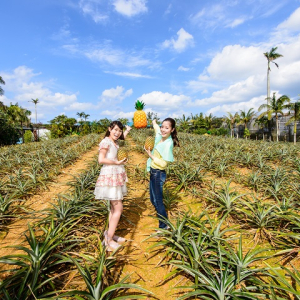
(111, 183)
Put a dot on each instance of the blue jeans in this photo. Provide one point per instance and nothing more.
(157, 180)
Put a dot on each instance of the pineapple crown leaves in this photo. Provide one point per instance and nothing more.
(139, 105)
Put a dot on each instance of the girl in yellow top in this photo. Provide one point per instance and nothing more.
(165, 140)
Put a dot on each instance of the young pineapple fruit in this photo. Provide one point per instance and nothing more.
(139, 117)
(149, 143)
(122, 153)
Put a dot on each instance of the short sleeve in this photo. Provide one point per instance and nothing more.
(104, 144)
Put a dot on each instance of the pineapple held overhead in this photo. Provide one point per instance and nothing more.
(139, 117)
(149, 143)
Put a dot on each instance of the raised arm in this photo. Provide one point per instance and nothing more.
(155, 126)
(128, 128)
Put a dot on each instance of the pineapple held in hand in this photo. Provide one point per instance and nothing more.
(122, 153)
(139, 117)
(149, 143)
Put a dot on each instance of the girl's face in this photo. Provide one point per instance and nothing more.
(166, 129)
(115, 133)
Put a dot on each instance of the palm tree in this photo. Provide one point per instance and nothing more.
(86, 116)
(80, 115)
(35, 101)
(1, 89)
(231, 119)
(246, 117)
(271, 56)
(275, 107)
(208, 120)
(184, 122)
(295, 107)
(262, 123)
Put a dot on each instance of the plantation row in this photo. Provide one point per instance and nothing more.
(67, 239)
(241, 239)
(27, 168)
(238, 240)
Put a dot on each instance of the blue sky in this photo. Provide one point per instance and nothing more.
(179, 57)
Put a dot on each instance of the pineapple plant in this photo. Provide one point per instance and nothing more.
(139, 117)
(149, 143)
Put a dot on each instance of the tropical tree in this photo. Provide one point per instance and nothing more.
(61, 126)
(262, 123)
(245, 117)
(184, 123)
(1, 89)
(150, 117)
(295, 107)
(271, 56)
(35, 101)
(86, 116)
(208, 121)
(231, 119)
(276, 107)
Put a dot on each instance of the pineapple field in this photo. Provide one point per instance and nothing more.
(234, 222)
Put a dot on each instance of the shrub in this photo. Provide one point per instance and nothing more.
(200, 131)
(28, 136)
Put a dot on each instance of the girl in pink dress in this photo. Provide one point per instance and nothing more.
(111, 183)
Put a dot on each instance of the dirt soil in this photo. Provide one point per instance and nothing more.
(38, 202)
(136, 225)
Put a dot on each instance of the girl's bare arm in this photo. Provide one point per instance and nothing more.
(105, 161)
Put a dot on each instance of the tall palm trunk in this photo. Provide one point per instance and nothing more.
(268, 83)
(277, 127)
(295, 132)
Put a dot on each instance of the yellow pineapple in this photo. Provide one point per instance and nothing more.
(149, 143)
(139, 117)
(122, 153)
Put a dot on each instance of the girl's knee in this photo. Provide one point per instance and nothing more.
(116, 206)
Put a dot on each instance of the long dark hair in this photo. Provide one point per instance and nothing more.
(174, 132)
(112, 126)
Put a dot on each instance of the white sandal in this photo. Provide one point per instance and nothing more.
(109, 246)
(116, 238)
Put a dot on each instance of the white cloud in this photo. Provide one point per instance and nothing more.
(130, 8)
(292, 23)
(237, 62)
(184, 40)
(221, 110)
(117, 114)
(114, 95)
(22, 87)
(210, 17)
(91, 8)
(165, 101)
(181, 68)
(80, 106)
(168, 10)
(105, 53)
(236, 22)
(128, 74)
